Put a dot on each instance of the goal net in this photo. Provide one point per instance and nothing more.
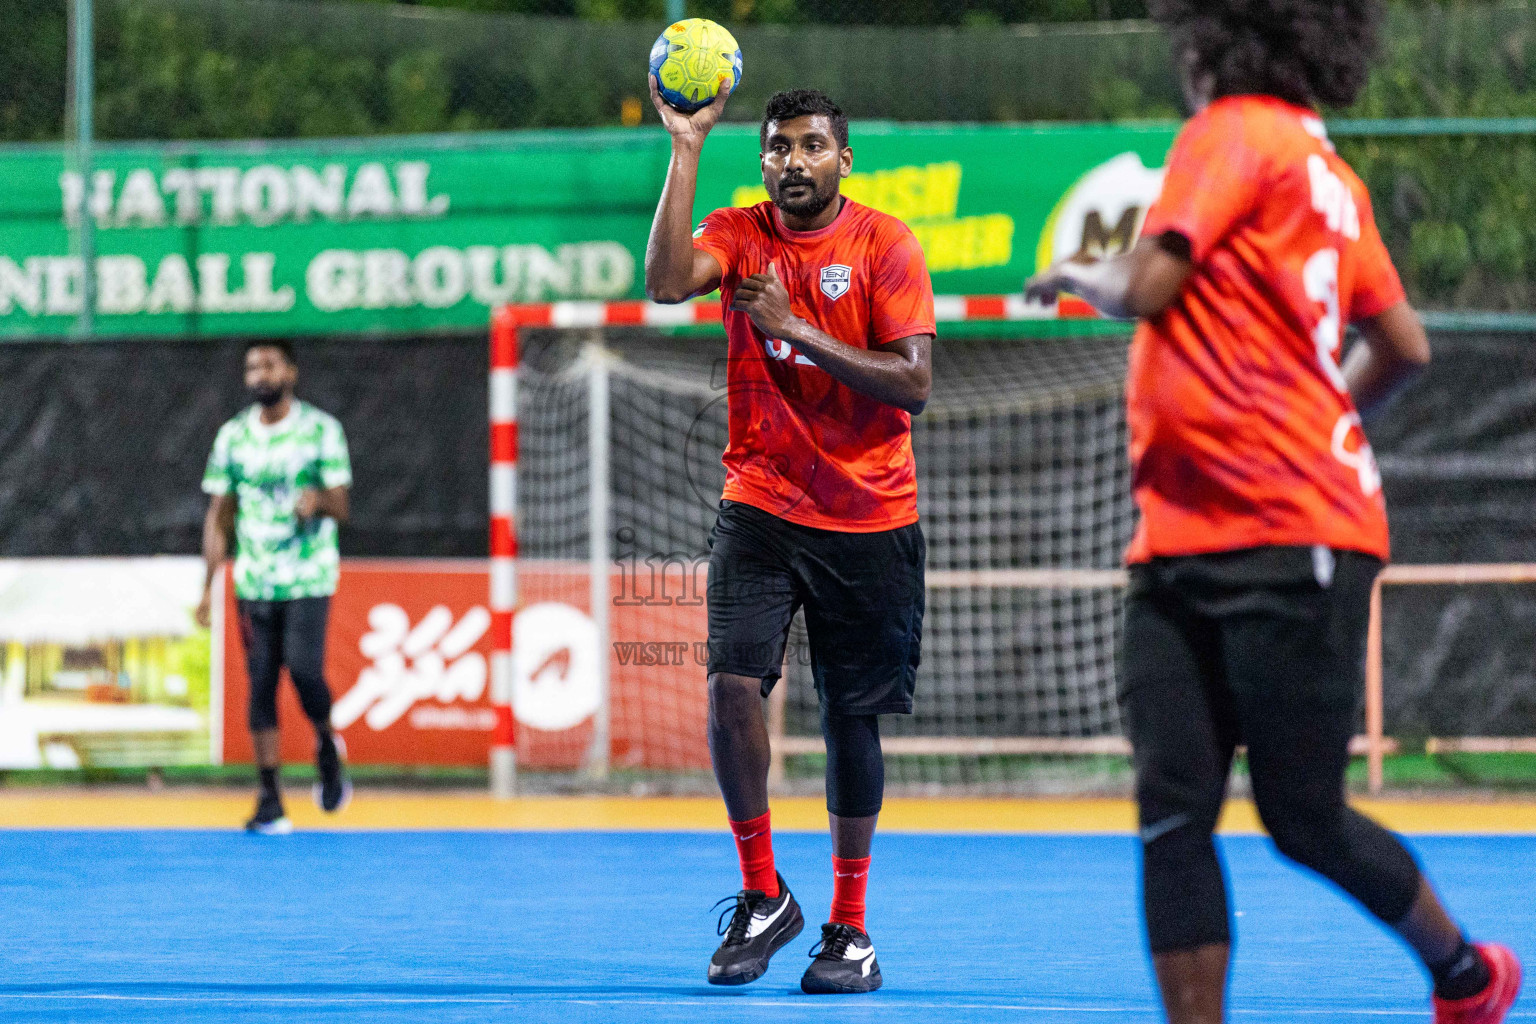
(1025, 502)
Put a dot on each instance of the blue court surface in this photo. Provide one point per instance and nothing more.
(616, 928)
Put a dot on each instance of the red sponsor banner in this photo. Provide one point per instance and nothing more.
(407, 660)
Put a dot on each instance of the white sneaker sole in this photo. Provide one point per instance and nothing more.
(281, 827)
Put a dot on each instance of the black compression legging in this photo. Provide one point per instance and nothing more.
(292, 634)
(855, 768)
(1284, 680)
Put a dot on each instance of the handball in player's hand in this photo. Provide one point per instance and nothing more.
(691, 60)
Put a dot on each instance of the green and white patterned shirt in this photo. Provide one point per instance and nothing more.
(280, 557)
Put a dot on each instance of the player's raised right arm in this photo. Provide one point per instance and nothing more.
(675, 271)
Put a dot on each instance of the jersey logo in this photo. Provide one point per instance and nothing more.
(836, 280)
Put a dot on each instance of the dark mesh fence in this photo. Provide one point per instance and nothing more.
(102, 447)
(1458, 458)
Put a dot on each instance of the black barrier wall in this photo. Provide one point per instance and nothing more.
(102, 446)
(1458, 459)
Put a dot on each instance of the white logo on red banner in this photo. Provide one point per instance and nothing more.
(555, 680)
(434, 660)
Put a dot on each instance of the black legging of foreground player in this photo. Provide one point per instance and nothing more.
(292, 634)
(1280, 669)
(855, 767)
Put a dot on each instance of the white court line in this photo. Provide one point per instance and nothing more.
(716, 1001)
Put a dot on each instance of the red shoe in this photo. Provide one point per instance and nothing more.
(1490, 1005)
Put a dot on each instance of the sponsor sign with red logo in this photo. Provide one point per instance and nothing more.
(407, 659)
(408, 655)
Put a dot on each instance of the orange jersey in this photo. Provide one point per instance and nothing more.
(802, 445)
(1243, 433)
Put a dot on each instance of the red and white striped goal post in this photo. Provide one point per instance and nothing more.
(503, 565)
(508, 321)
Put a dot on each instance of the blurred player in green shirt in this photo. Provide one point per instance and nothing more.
(278, 477)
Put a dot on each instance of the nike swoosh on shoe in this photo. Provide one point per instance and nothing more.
(760, 924)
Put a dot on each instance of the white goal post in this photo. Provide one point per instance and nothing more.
(1377, 744)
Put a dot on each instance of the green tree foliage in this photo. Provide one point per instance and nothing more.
(1458, 210)
(32, 87)
(829, 12)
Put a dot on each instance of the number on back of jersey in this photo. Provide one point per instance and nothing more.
(1320, 277)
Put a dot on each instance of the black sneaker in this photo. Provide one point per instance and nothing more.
(269, 819)
(758, 928)
(843, 961)
(334, 790)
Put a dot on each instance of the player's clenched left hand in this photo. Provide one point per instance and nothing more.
(1064, 276)
(308, 504)
(764, 298)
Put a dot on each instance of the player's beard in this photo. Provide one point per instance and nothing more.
(268, 394)
(808, 205)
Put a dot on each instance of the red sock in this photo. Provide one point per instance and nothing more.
(850, 876)
(754, 845)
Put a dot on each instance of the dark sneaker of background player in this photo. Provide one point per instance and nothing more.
(269, 819)
(842, 962)
(334, 790)
(755, 928)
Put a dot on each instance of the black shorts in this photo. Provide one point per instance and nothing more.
(863, 598)
(1263, 647)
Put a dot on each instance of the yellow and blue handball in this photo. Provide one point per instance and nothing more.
(690, 61)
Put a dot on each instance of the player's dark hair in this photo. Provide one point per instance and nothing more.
(1303, 51)
(793, 103)
(283, 345)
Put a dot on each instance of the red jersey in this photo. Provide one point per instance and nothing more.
(802, 445)
(1243, 433)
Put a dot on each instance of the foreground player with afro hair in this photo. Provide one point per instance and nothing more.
(1262, 524)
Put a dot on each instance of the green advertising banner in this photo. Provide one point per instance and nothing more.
(429, 233)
